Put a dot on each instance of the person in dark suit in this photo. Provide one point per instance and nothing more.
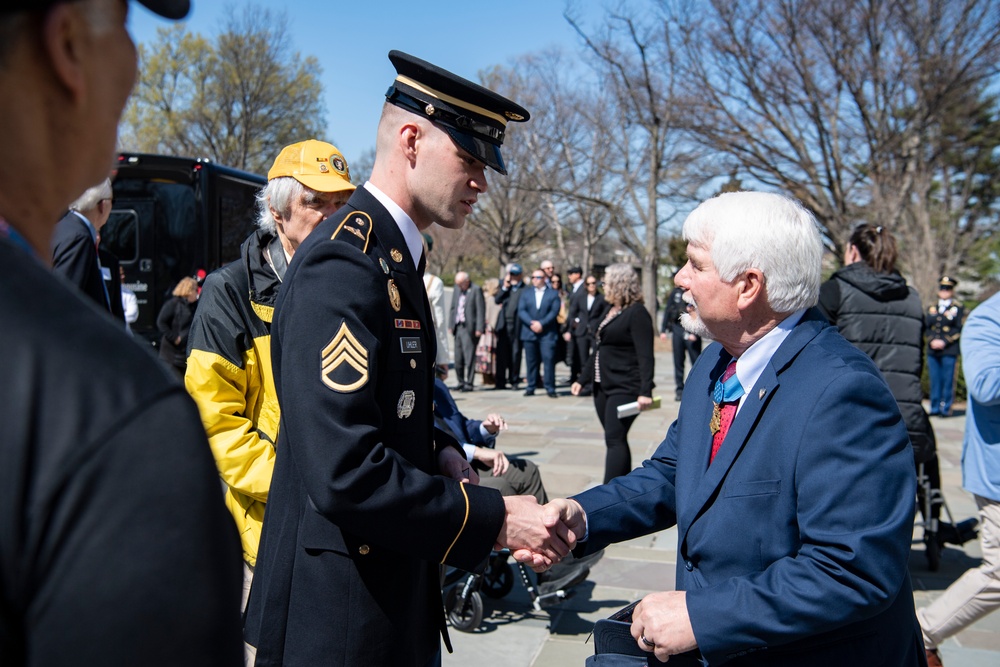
(467, 322)
(682, 342)
(587, 307)
(788, 471)
(74, 243)
(366, 499)
(509, 349)
(537, 312)
(620, 369)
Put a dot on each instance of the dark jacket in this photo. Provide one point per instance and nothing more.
(74, 256)
(625, 347)
(509, 299)
(583, 322)
(114, 547)
(882, 316)
(792, 546)
(357, 517)
(673, 311)
(947, 326)
(174, 321)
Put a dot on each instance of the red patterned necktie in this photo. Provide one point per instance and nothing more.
(727, 410)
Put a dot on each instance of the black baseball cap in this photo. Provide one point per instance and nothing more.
(168, 9)
(475, 117)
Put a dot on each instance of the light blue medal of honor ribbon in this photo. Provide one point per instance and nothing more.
(724, 392)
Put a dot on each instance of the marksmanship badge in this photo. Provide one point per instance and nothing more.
(404, 408)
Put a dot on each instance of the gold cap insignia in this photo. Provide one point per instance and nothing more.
(516, 117)
(404, 408)
(394, 299)
(345, 359)
(384, 265)
(396, 255)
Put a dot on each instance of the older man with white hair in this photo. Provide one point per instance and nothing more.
(788, 472)
(74, 243)
(467, 323)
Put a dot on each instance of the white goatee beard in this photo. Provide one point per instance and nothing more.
(694, 325)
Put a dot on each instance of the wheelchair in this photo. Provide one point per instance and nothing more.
(464, 591)
(930, 502)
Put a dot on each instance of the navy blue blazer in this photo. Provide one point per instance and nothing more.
(546, 315)
(793, 544)
(464, 430)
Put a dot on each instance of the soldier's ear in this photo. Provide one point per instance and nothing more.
(65, 34)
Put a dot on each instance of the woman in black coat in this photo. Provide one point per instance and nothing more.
(174, 322)
(621, 365)
(874, 308)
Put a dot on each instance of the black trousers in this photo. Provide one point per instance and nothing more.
(683, 346)
(618, 458)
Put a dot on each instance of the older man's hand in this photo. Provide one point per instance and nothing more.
(661, 619)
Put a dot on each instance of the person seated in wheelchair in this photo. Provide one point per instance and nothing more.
(509, 475)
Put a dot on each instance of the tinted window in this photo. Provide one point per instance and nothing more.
(237, 215)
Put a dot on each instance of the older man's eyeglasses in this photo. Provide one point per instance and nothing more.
(538, 277)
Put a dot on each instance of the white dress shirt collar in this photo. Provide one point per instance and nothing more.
(408, 228)
(751, 364)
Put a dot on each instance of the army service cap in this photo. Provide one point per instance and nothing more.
(314, 164)
(947, 283)
(475, 117)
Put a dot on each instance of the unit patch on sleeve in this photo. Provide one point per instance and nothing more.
(344, 362)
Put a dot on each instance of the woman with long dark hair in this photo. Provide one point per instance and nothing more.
(873, 307)
(621, 365)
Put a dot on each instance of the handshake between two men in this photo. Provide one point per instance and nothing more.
(542, 535)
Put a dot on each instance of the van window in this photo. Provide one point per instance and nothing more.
(120, 236)
(237, 215)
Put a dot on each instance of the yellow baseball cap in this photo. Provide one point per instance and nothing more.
(314, 164)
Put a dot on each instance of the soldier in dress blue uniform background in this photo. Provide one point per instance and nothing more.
(366, 499)
(944, 328)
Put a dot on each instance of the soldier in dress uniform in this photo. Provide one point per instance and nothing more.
(366, 499)
(944, 328)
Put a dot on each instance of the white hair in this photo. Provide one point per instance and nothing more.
(766, 231)
(92, 196)
(279, 193)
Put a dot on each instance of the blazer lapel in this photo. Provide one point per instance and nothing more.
(711, 477)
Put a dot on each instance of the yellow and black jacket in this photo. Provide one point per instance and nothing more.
(229, 375)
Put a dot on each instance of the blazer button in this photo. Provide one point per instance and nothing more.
(688, 565)
(363, 549)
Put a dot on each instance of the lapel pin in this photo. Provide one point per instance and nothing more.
(760, 394)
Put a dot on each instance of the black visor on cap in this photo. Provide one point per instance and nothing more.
(483, 151)
(168, 9)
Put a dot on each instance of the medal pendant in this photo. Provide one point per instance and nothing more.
(716, 422)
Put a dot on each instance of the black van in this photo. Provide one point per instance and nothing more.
(171, 217)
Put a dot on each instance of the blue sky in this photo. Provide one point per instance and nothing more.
(351, 39)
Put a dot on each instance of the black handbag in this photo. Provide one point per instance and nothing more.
(614, 645)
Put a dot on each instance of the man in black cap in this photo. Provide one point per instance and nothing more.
(509, 350)
(944, 328)
(115, 547)
(366, 499)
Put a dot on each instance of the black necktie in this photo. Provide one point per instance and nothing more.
(422, 264)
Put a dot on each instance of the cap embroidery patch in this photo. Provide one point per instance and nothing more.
(344, 362)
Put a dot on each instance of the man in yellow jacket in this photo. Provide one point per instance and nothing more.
(229, 364)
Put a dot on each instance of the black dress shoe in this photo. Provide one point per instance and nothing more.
(530, 392)
(552, 394)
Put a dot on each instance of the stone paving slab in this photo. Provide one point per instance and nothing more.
(564, 437)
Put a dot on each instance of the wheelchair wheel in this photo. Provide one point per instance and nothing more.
(498, 580)
(464, 614)
(933, 551)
